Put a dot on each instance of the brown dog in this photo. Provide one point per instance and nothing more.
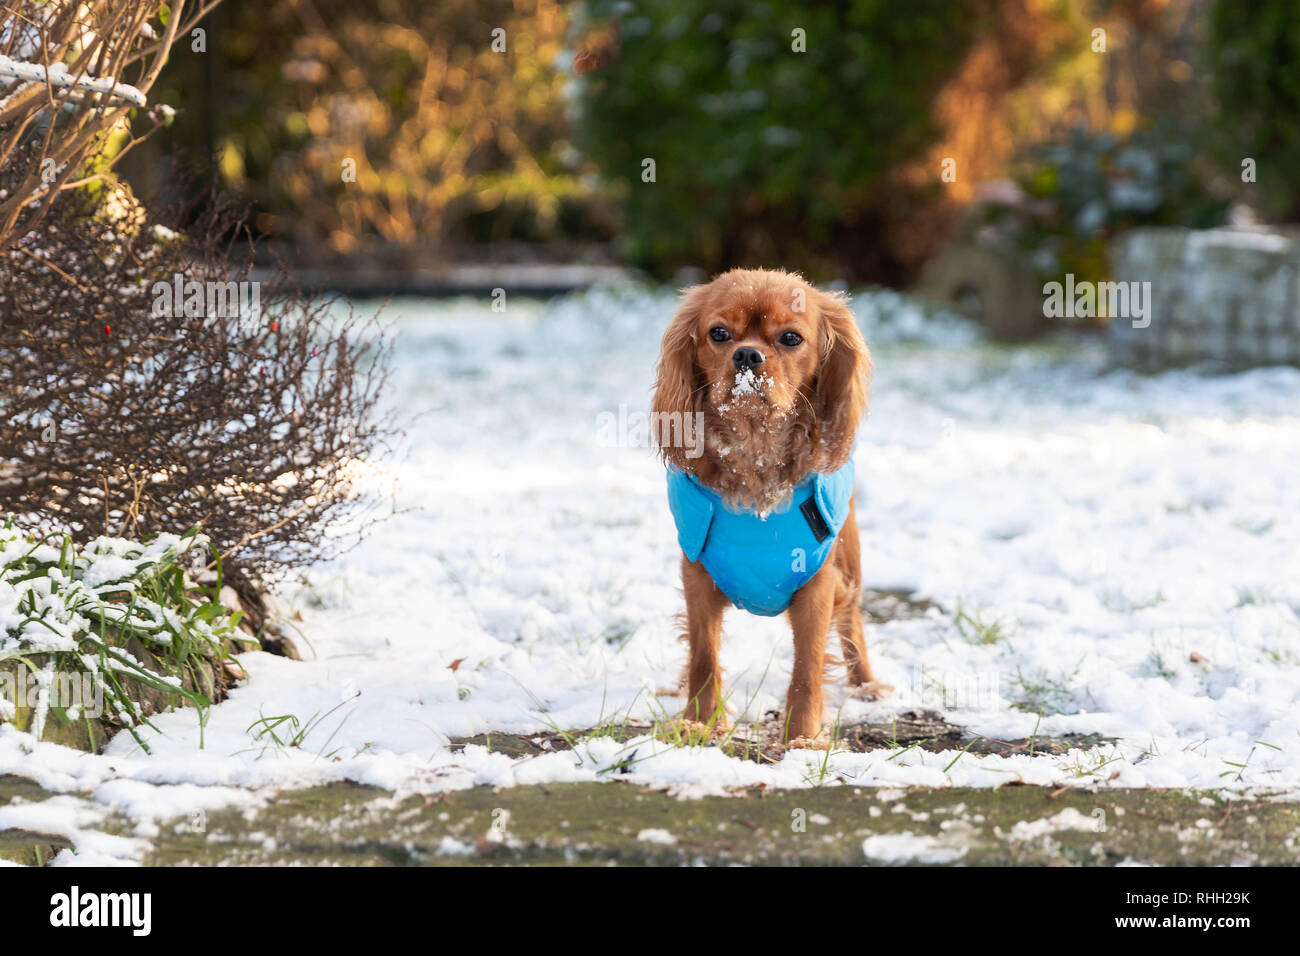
(777, 372)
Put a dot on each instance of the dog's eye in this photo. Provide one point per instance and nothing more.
(790, 338)
(719, 334)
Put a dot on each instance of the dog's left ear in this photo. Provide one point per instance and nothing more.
(841, 392)
(678, 388)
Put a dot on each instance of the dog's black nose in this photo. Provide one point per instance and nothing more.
(747, 358)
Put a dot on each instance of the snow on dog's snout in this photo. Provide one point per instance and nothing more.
(748, 383)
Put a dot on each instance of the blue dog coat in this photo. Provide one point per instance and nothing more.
(759, 563)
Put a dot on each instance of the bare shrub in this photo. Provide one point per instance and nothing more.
(127, 413)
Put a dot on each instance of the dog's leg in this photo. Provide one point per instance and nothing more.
(704, 606)
(848, 611)
(810, 619)
(854, 646)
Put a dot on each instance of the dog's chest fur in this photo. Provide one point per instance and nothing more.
(755, 460)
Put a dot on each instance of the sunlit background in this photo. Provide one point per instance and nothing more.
(855, 141)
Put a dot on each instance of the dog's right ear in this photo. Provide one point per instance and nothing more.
(678, 392)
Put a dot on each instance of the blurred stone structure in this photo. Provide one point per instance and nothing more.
(989, 282)
(1223, 295)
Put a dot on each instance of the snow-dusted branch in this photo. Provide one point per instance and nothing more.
(57, 75)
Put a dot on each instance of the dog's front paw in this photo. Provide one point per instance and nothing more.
(822, 741)
(684, 731)
(872, 690)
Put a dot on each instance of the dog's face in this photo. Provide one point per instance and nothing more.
(757, 349)
(757, 346)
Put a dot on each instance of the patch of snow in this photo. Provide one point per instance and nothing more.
(907, 848)
(1067, 819)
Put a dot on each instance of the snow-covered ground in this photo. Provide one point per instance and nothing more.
(1130, 543)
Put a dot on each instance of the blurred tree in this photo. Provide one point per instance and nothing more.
(405, 121)
(1253, 49)
(776, 129)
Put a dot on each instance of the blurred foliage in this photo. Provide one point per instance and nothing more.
(452, 139)
(1077, 193)
(763, 154)
(826, 160)
(1253, 50)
